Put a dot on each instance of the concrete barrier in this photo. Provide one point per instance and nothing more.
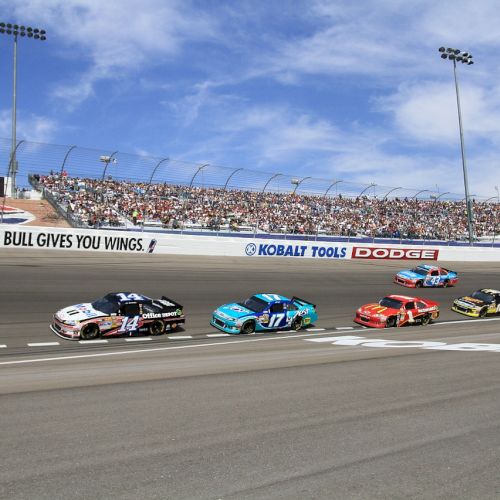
(122, 241)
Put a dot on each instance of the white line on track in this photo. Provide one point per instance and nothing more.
(42, 344)
(215, 335)
(88, 342)
(2, 346)
(315, 329)
(157, 349)
(464, 321)
(138, 339)
(345, 328)
(179, 337)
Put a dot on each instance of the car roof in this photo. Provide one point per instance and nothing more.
(489, 290)
(118, 297)
(270, 297)
(402, 298)
(427, 267)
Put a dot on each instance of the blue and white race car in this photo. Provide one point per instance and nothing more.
(264, 312)
(425, 275)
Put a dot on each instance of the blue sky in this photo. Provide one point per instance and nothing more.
(332, 89)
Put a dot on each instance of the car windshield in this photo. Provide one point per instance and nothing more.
(104, 305)
(392, 303)
(254, 304)
(420, 270)
(485, 297)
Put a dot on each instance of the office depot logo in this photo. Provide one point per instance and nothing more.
(394, 253)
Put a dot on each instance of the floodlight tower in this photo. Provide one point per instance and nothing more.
(455, 55)
(22, 31)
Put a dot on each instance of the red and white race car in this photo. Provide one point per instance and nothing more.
(397, 310)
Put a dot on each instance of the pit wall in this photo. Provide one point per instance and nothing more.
(91, 240)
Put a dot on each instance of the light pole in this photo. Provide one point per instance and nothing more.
(22, 31)
(455, 55)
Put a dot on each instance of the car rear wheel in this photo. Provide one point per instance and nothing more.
(248, 327)
(89, 332)
(297, 324)
(425, 320)
(418, 284)
(156, 328)
(391, 322)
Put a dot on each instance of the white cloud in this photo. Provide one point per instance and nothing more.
(29, 127)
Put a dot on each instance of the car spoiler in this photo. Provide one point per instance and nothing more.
(303, 301)
(175, 304)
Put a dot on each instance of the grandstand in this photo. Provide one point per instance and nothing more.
(161, 194)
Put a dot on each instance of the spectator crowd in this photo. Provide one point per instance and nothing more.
(98, 203)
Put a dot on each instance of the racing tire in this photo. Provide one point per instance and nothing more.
(426, 319)
(90, 331)
(482, 312)
(297, 324)
(157, 327)
(248, 327)
(418, 284)
(391, 322)
(446, 284)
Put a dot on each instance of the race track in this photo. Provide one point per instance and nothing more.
(287, 415)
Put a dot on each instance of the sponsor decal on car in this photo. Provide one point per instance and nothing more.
(394, 253)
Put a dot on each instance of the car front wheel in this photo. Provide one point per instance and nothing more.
(248, 327)
(391, 322)
(89, 332)
(297, 324)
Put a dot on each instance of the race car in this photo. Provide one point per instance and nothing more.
(479, 303)
(397, 310)
(264, 312)
(426, 276)
(117, 314)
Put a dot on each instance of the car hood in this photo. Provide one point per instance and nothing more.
(470, 301)
(410, 275)
(233, 311)
(78, 312)
(372, 309)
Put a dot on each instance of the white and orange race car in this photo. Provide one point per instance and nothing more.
(118, 314)
(397, 310)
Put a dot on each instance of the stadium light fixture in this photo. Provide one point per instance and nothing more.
(17, 30)
(107, 160)
(456, 55)
(298, 182)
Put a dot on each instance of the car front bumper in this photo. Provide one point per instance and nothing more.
(473, 313)
(65, 331)
(364, 320)
(224, 326)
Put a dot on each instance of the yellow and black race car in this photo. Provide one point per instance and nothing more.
(479, 303)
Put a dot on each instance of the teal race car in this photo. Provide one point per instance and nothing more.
(264, 312)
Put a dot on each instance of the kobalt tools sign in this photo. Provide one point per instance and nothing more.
(315, 251)
(394, 253)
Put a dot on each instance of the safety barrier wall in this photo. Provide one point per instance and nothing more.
(121, 241)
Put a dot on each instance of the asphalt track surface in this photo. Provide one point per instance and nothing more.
(279, 415)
